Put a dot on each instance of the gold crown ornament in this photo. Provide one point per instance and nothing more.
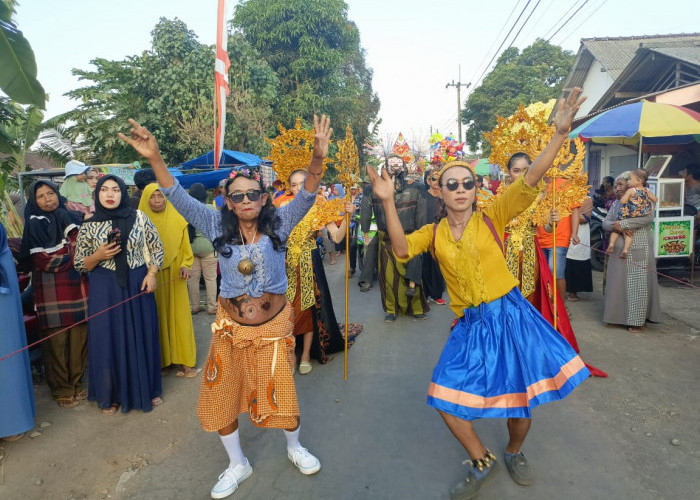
(292, 150)
(347, 161)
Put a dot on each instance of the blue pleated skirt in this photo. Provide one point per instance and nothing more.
(123, 343)
(501, 360)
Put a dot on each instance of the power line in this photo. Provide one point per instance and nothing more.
(498, 51)
(524, 23)
(495, 40)
(567, 21)
(559, 20)
(593, 11)
(537, 23)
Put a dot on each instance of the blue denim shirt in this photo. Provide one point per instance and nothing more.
(269, 274)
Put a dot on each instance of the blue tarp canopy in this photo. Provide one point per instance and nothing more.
(228, 159)
(209, 178)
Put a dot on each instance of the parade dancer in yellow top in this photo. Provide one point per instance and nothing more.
(502, 358)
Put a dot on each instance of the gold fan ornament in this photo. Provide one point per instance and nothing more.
(292, 150)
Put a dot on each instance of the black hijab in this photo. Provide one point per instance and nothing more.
(122, 217)
(45, 231)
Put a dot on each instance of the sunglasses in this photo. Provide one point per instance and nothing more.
(453, 184)
(433, 178)
(253, 195)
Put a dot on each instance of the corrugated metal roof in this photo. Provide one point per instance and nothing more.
(615, 53)
(690, 54)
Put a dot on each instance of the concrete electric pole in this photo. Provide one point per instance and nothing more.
(459, 86)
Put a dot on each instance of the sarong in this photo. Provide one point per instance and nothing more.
(249, 370)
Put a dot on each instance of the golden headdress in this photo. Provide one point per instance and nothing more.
(292, 150)
(456, 163)
(526, 131)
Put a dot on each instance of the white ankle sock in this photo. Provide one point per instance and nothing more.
(292, 439)
(232, 444)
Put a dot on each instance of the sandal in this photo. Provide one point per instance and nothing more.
(157, 401)
(111, 410)
(67, 402)
(15, 437)
(81, 394)
(187, 372)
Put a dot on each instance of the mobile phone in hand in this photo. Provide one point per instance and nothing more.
(115, 236)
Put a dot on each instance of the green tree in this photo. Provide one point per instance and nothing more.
(315, 51)
(535, 74)
(18, 76)
(170, 89)
(19, 125)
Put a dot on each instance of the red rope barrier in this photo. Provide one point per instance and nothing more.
(80, 322)
(686, 283)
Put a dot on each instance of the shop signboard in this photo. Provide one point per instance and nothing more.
(673, 237)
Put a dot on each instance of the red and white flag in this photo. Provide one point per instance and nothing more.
(221, 68)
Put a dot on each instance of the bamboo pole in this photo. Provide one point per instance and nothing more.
(555, 293)
(347, 282)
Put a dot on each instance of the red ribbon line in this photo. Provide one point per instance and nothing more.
(79, 322)
(640, 267)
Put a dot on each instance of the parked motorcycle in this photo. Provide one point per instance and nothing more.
(597, 238)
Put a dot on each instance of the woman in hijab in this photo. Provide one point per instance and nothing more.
(177, 346)
(205, 261)
(60, 292)
(75, 187)
(120, 249)
(16, 390)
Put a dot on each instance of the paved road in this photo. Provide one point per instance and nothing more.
(376, 437)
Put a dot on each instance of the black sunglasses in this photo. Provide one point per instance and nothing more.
(453, 184)
(433, 178)
(253, 195)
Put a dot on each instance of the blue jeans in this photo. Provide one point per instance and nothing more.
(561, 260)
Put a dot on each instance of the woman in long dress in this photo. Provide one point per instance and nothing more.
(314, 317)
(631, 285)
(177, 345)
(123, 346)
(16, 389)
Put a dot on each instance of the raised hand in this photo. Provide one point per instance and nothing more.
(567, 109)
(141, 140)
(322, 136)
(382, 186)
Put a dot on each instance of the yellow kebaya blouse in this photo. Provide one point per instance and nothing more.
(463, 262)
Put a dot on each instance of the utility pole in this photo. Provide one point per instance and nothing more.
(459, 86)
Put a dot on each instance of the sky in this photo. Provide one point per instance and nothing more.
(415, 47)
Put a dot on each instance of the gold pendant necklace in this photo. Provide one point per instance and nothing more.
(245, 265)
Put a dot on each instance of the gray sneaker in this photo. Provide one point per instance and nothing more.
(518, 468)
(469, 487)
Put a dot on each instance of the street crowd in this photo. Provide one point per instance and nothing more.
(115, 279)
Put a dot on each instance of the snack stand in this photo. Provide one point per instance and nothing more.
(673, 233)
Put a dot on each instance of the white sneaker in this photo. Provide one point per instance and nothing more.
(230, 479)
(305, 461)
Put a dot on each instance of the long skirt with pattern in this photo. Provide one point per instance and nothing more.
(123, 344)
(501, 360)
(393, 284)
(249, 370)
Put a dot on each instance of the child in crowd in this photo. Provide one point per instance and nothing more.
(636, 202)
